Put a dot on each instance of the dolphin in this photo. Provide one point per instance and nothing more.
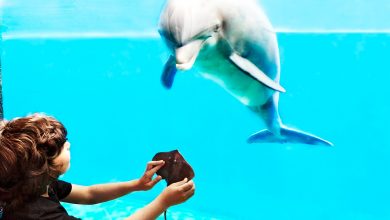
(233, 44)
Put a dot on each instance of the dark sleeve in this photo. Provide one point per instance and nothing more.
(61, 188)
(58, 216)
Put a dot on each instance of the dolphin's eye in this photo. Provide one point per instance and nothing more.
(203, 37)
(217, 28)
(205, 34)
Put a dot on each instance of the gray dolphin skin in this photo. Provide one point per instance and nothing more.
(232, 43)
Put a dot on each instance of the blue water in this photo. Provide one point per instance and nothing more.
(108, 94)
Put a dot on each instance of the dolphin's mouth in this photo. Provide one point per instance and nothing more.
(187, 54)
(188, 65)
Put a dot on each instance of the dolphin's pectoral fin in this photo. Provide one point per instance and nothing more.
(248, 67)
(287, 135)
(169, 72)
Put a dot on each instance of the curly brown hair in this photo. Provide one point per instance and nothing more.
(28, 147)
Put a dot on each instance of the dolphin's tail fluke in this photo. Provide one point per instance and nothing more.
(287, 135)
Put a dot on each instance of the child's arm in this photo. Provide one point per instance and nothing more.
(105, 192)
(172, 195)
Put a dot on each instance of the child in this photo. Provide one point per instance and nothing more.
(34, 152)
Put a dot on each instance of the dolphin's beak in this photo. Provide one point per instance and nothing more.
(187, 54)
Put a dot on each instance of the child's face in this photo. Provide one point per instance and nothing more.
(63, 160)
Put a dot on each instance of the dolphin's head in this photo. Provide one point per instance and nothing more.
(185, 25)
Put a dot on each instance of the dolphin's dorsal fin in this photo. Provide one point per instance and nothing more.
(169, 72)
(248, 67)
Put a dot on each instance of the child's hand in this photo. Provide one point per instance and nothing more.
(176, 193)
(147, 182)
